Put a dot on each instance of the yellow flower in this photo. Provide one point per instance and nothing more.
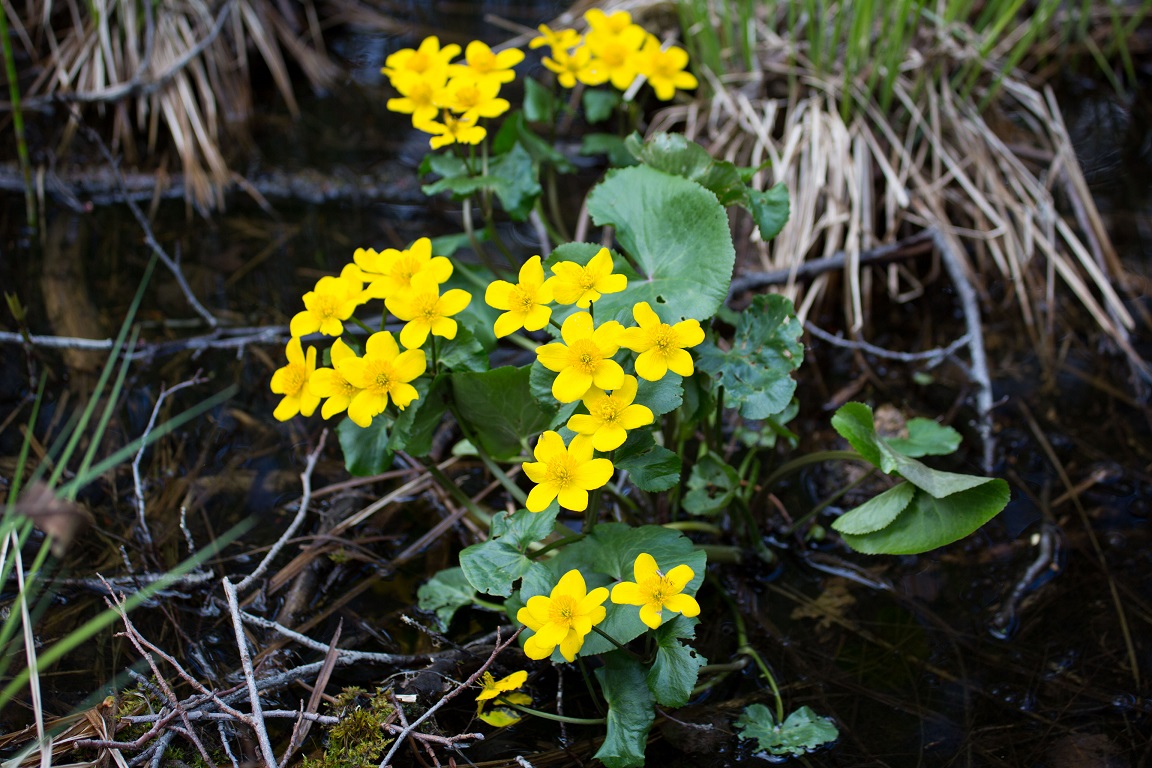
(491, 687)
(472, 99)
(292, 382)
(661, 346)
(390, 272)
(585, 357)
(383, 373)
(665, 68)
(565, 474)
(425, 311)
(329, 383)
(561, 41)
(563, 618)
(573, 67)
(610, 416)
(615, 43)
(453, 130)
(608, 24)
(574, 284)
(499, 716)
(327, 306)
(418, 96)
(426, 61)
(486, 66)
(654, 591)
(525, 304)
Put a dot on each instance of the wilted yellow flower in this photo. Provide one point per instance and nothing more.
(472, 99)
(451, 130)
(427, 61)
(565, 474)
(582, 285)
(654, 591)
(664, 69)
(610, 416)
(563, 618)
(584, 358)
(525, 303)
(484, 65)
(391, 271)
(425, 311)
(330, 384)
(292, 382)
(383, 373)
(497, 692)
(661, 346)
(327, 306)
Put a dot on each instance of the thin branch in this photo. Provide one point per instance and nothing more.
(935, 356)
(345, 656)
(249, 676)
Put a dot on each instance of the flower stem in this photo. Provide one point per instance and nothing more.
(744, 648)
(615, 642)
(558, 718)
(591, 688)
(811, 458)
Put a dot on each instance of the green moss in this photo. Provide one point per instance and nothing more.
(359, 738)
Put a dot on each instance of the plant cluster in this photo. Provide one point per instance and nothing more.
(630, 399)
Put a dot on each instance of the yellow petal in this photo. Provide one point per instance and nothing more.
(303, 323)
(498, 294)
(651, 615)
(549, 446)
(688, 333)
(571, 645)
(453, 301)
(645, 568)
(680, 362)
(575, 499)
(554, 357)
(286, 409)
(680, 576)
(683, 604)
(570, 385)
(571, 583)
(594, 474)
(540, 497)
(609, 437)
(508, 322)
(382, 344)
(645, 316)
(576, 326)
(651, 366)
(626, 593)
(609, 376)
(414, 333)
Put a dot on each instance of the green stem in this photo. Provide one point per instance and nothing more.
(18, 121)
(488, 605)
(744, 648)
(480, 516)
(614, 641)
(366, 327)
(555, 545)
(557, 718)
(593, 513)
(435, 358)
(811, 458)
(588, 684)
(489, 462)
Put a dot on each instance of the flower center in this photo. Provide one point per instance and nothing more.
(325, 306)
(427, 306)
(294, 379)
(405, 268)
(522, 300)
(587, 279)
(419, 62)
(608, 410)
(561, 471)
(659, 590)
(482, 61)
(614, 54)
(664, 340)
(585, 356)
(382, 377)
(562, 610)
(343, 387)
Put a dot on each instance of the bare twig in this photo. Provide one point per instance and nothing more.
(345, 656)
(138, 485)
(305, 499)
(249, 676)
(304, 724)
(934, 356)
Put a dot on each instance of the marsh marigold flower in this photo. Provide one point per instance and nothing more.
(427, 61)
(418, 96)
(390, 272)
(610, 416)
(330, 384)
(563, 618)
(425, 311)
(560, 40)
(485, 65)
(328, 305)
(573, 67)
(451, 130)
(383, 374)
(472, 99)
(661, 346)
(664, 68)
(525, 304)
(564, 473)
(572, 283)
(615, 43)
(292, 382)
(654, 591)
(584, 358)
(497, 692)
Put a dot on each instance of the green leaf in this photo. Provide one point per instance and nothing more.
(934, 481)
(802, 731)
(539, 105)
(663, 396)
(417, 423)
(446, 165)
(445, 593)
(516, 130)
(365, 449)
(928, 523)
(854, 422)
(500, 410)
(463, 353)
(711, 486)
(926, 438)
(540, 383)
(770, 209)
(517, 183)
(608, 144)
(677, 236)
(598, 104)
(876, 513)
(630, 712)
(447, 245)
(523, 527)
(677, 666)
(493, 566)
(678, 155)
(651, 467)
(756, 372)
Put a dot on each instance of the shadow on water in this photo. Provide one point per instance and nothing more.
(1006, 649)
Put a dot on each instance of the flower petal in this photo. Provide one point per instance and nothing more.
(680, 362)
(680, 576)
(627, 593)
(683, 604)
(575, 499)
(645, 568)
(381, 344)
(498, 294)
(595, 474)
(570, 385)
(540, 497)
(651, 366)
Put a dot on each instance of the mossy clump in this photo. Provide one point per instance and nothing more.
(359, 738)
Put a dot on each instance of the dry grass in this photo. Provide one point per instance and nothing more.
(1002, 184)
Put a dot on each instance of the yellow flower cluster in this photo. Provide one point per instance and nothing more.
(566, 616)
(446, 99)
(586, 370)
(409, 282)
(616, 51)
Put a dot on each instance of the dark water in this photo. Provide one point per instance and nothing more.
(954, 658)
